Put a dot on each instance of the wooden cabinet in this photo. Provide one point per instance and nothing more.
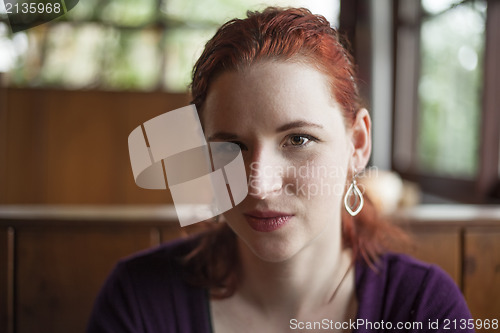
(482, 272)
(59, 270)
(465, 242)
(53, 260)
(438, 245)
(6, 287)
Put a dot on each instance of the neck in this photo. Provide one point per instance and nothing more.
(307, 281)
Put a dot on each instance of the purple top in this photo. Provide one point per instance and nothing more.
(147, 293)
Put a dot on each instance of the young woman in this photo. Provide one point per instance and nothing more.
(297, 254)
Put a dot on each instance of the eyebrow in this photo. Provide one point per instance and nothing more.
(226, 136)
(297, 124)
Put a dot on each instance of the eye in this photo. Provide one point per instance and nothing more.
(299, 140)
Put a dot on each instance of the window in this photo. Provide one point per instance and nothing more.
(124, 44)
(446, 125)
(449, 90)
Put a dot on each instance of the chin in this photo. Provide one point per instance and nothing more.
(271, 250)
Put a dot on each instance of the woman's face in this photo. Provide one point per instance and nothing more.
(297, 153)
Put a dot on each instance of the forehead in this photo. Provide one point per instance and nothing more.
(270, 92)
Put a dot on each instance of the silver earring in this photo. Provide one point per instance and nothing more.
(353, 200)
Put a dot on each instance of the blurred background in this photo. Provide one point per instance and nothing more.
(72, 88)
(71, 91)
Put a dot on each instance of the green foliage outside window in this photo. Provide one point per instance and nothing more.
(450, 86)
(123, 44)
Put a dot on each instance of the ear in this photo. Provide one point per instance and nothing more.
(361, 140)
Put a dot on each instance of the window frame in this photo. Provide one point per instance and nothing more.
(483, 188)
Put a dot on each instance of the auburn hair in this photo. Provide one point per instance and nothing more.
(276, 34)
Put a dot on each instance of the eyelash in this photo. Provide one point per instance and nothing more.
(310, 138)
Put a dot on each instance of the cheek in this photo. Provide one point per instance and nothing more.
(323, 177)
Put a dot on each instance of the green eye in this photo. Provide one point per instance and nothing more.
(298, 140)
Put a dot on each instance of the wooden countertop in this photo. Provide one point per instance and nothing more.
(11, 215)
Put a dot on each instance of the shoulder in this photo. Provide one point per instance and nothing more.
(404, 273)
(148, 290)
(401, 269)
(397, 271)
(157, 275)
(402, 288)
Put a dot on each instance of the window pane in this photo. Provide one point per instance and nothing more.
(84, 10)
(438, 6)
(73, 55)
(9, 53)
(125, 44)
(182, 48)
(219, 11)
(132, 60)
(452, 45)
(195, 24)
(128, 12)
(27, 48)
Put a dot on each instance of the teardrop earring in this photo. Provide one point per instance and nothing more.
(353, 199)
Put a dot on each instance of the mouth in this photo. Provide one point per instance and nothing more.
(267, 221)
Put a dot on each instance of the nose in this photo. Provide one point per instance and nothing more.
(265, 175)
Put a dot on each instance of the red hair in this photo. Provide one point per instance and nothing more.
(279, 35)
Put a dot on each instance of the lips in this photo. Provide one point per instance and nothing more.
(267, 221)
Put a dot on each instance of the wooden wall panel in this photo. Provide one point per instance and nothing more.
(60, 271)
(71, 147)
(482, 273)
(5, 273)
(25, 152)
(440, 246)
(140, 109)
(85, 147)
(3, 139)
